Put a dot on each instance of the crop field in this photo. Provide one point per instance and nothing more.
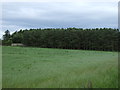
(27, 67)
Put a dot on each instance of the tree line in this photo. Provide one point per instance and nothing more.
(105, 39)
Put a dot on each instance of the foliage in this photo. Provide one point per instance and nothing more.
(7, 35)
(7, 38)
(105, 39)
(6, 42)
(17, 37)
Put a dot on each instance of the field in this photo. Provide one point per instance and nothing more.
(57, 68)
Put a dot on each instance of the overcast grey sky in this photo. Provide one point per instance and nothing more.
(80, 14)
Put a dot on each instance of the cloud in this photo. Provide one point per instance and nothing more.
(73, 13)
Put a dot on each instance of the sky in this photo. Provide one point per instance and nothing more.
(25, 14)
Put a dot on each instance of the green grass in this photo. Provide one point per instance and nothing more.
(58, 68)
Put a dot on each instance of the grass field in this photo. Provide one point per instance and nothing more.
(58, 68)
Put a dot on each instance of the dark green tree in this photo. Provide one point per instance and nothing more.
(7, 38)
(7, 35)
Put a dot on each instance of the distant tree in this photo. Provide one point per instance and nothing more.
(7, 35)
(7, 38)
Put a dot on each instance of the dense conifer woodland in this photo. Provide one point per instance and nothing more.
(103, 39)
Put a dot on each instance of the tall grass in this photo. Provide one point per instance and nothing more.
(58, 68)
